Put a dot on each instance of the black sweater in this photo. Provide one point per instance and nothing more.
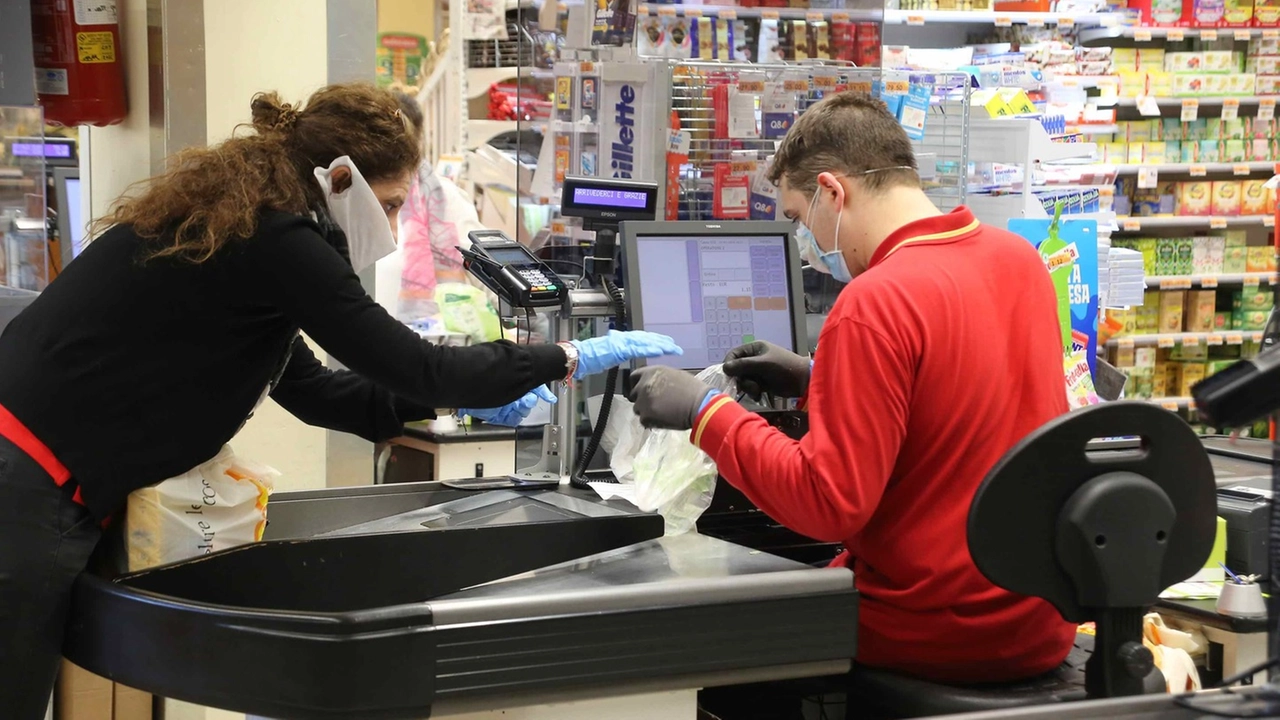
(132, 372)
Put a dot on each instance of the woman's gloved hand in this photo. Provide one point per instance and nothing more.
(617, 348)
(511, 414)
(762, 367)
(668, 398)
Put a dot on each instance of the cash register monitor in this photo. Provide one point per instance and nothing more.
(71, 222)
(714, 286)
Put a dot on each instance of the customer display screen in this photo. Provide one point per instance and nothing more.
(714, 293)
(611, 197)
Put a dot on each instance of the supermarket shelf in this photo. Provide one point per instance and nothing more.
(1097, 129)
(1012, 141)
(987, 17)
(1229, 337)
(757, 12)
(1094, 37)
(1204, 102)
(1172, 403)
(1173, 282)
(479, 79)
(1138, 224)
(1266, 166)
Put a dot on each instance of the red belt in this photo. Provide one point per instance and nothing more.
(15, 432)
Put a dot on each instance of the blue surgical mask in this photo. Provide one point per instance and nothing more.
(831, 263)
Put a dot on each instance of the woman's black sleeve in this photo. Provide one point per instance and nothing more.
(305, 277)
(341, 400)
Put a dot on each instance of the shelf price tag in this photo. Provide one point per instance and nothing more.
(1132, 225)
(769, 14)
(1066, 21)
(1235, 339)
(1209, 35)
(693, 12)
(814, 17)
(1271, 34)
(1198, 171)
(667, 11)
(1256, 337)
(1190, 110)
(1148, 107)
(1003, 21)
(1035, 22)
(1148, 178)
(1165, 341)
(1217, 223)
(1240, 170)
(1170, 405)
(1230, 108)
(1252, 281)
(1268, 221)
(1266, 108)
(1214, 339)
(1175, 35)
(1175, 283)
(825, 81)
(1208, 282)
(728, 14)
(1124, 343)
(1142, 34)
(915, 20)
(840, 17)
(1243, 35)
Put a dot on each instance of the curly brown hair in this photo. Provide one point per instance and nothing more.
(212, 196)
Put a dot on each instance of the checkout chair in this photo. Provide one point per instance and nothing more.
(1097, 533)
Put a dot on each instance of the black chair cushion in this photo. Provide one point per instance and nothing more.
(876, 694)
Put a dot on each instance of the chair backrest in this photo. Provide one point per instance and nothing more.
(1095, 530)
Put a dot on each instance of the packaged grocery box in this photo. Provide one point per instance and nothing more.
(1145, 357)
(1151, 58)
(1184, 62)
(1197, 130)
(1217, 248)
(1167, 382)
(1233, 151)
(1238, 13)
(1195, 198)
(1188, 85)
(1235, 260)
(1218, 61)
(1267, 84)
(1267, 12)
(1226, 197)
(1200, 255)
(1192, 373)
(1261, 129)
(1260, 258)
(1265, 45)
(1124, 59)
(1258, 150)
(1167, 257)
(1190, 151)
(1171, 305)
(1239, 84)
(1172, 151)
(1200, 309)
(1253, 197)
(1207, 13)
(1213, 367)
(1254, 320)
(1216, 85)
(1185, 247)
(1233, 129)
(1153, 152)
(1263, 65)
(1148, 248)
(1221, 321)
(1210, 151)
(1135, 154)
(1235, 238)
(1255, 299)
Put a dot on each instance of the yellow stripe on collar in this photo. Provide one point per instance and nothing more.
(933, 236)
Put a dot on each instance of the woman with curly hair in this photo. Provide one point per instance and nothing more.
(151, 350)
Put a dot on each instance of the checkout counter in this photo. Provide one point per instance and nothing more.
(413, 600)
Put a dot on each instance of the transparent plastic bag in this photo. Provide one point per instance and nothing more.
(672, 476)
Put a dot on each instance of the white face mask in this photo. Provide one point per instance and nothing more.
(357, 211)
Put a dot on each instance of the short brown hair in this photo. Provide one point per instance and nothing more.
(848, 133)
(211, 196)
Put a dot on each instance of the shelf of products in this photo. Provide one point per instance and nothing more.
(1119, 35)
(760, 13)
(1186, 282)
(1139, 224)
(1243, 100)
(1197, 170)
(999, 18)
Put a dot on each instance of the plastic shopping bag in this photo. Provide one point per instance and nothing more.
(672, 476)
(217, 505)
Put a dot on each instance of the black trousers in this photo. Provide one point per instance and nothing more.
(46, 540)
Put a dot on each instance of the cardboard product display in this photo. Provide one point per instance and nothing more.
(81, 695)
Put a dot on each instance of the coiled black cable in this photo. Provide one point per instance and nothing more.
(579, 479)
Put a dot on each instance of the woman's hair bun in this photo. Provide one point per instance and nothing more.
(270, 114)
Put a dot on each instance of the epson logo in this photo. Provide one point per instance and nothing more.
(608, 213)
(624, 156)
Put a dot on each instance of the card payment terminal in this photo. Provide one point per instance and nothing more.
(512, 272)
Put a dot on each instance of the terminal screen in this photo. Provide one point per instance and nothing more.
(714, 293)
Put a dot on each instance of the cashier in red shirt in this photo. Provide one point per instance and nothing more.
(941, 353)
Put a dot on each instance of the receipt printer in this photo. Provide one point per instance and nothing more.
(1246, 510)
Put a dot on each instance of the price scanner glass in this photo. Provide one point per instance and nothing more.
(714, 286)
(510, 255)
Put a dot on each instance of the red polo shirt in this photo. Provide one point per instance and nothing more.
(932, 364)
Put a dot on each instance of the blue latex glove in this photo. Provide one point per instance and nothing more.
(511, 414)
(618, 348)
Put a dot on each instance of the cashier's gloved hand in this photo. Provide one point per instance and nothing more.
(618, 348)
(668, 398)
(511, 414)
(762, 367)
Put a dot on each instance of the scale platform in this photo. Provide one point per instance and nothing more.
(401, 601)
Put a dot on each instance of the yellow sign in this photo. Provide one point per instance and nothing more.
(95, 47)
(997, 107)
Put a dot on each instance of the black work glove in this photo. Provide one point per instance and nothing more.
(762, 367)
(667, 398)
